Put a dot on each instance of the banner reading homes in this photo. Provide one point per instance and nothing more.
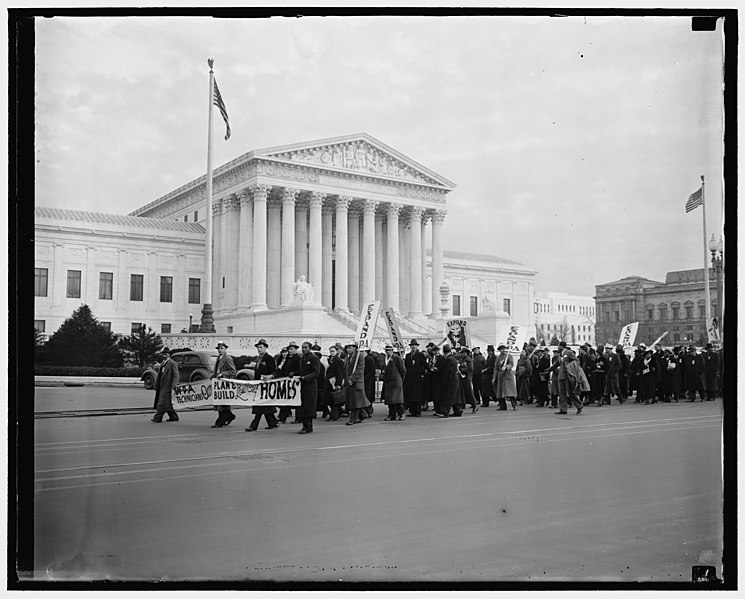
(368, 320)
(192, 395)
(273, 392)
(628, 335)
(393, 331)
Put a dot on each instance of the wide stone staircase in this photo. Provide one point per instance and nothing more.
(409, 327)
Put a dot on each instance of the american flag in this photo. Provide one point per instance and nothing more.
(217, 101)
(695, 200)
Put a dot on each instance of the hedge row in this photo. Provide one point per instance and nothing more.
(44, 370)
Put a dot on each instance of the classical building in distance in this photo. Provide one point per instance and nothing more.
(304, 235)
(564, 317)
(676, 306)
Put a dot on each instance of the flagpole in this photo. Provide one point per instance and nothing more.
(207, 321)
(706, 254)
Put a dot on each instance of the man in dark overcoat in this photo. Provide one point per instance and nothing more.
(289, 368)
(416, 365)
(224, 369)
(479, 362)
(321, 400)
(465, 380)
(394, 372)
(711, 372)
(370, 378)
(623, 373)
(264, 369)
(308, 372)
(449, 370)
(335, 371)
(487, 389)
(354, 384)
(694, 368)
(166, 380)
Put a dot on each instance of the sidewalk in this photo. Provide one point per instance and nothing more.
(92, 381)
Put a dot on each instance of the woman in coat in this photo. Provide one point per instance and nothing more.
(524, 372)
(394, 372)
(504, 379)
(465, 378)
(310, 369)
(354, 384)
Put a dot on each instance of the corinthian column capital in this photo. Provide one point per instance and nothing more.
(260, 191)
(316, 199)
(439, 216)
(416, 213)
(244, 197)
(369, 206)
(394, 210)
(289, 196)
(343, 202)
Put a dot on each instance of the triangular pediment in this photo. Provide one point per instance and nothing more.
(360, 154)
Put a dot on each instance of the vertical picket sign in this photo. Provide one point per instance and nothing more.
(628, 335)
(394, 332)
(366, 329)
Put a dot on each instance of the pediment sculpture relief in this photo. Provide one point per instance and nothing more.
(358, 157)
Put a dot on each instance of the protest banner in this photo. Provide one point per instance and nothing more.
(366, 328)
(513, 336)
(283, 391)
(192, 395)
(628, 335)
(457, 333)
(712, 329)
(394, 332)
(659, 339)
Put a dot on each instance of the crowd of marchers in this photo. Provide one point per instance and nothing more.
(451, 380)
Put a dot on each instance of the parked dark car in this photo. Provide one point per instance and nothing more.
(192, 366)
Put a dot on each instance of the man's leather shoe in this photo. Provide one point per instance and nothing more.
(154, 420)
(217, 425)
(250, 429)
(402, 416)
(304, 432)
(270, 427)
(559, 412)
(388, 418)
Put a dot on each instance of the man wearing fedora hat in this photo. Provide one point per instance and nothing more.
(264, 369)
(224, 369)
(394, 372)
(695, 372)
(711, 372)
(487, 389)
(354, 384)
(415, 364)
(289, 368)
(166, 380)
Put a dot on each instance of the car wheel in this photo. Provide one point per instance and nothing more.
(149, 382)
(199, 375)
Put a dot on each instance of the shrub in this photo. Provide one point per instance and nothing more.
(82, 341)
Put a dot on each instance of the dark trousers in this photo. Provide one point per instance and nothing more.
(695, 384)
(415, 408)
(487, 390)
(563, 395)
(395, 410)
(357, 414)
(159, 415)
(307, 423)
(477, 389)
(224, 415)
(271, 420)
(284, 412)
(623, 384)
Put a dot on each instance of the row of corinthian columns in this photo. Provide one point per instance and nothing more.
(265, 241)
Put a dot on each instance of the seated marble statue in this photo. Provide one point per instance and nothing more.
(302, 290)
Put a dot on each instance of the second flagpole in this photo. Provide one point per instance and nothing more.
(208, 325)
(706, 254)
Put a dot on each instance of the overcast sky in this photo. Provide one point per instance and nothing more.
(574, 142)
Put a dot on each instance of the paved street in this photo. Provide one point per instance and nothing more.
(624, 493)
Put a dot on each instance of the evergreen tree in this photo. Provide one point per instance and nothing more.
(141, 347)
(82, 341)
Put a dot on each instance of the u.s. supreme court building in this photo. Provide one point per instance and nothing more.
(350, 216)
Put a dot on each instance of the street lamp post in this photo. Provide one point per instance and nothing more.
(191, 316)
(716, 248)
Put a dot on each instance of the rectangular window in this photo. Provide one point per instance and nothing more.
(186, 218)
(474, 307)
(40, 325)
(676, 313)
(106, 325)
(506, 305)
(136, 284)
(456, 305)
(106, 285)
(73, 283)
(166, 289)
(194, 291)
(663, 313)
(230, 330)
(165, 327)
(616, 315)
(702, 311)
(196, 215)
(40, 282)
(689, 312)
(135, 328)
